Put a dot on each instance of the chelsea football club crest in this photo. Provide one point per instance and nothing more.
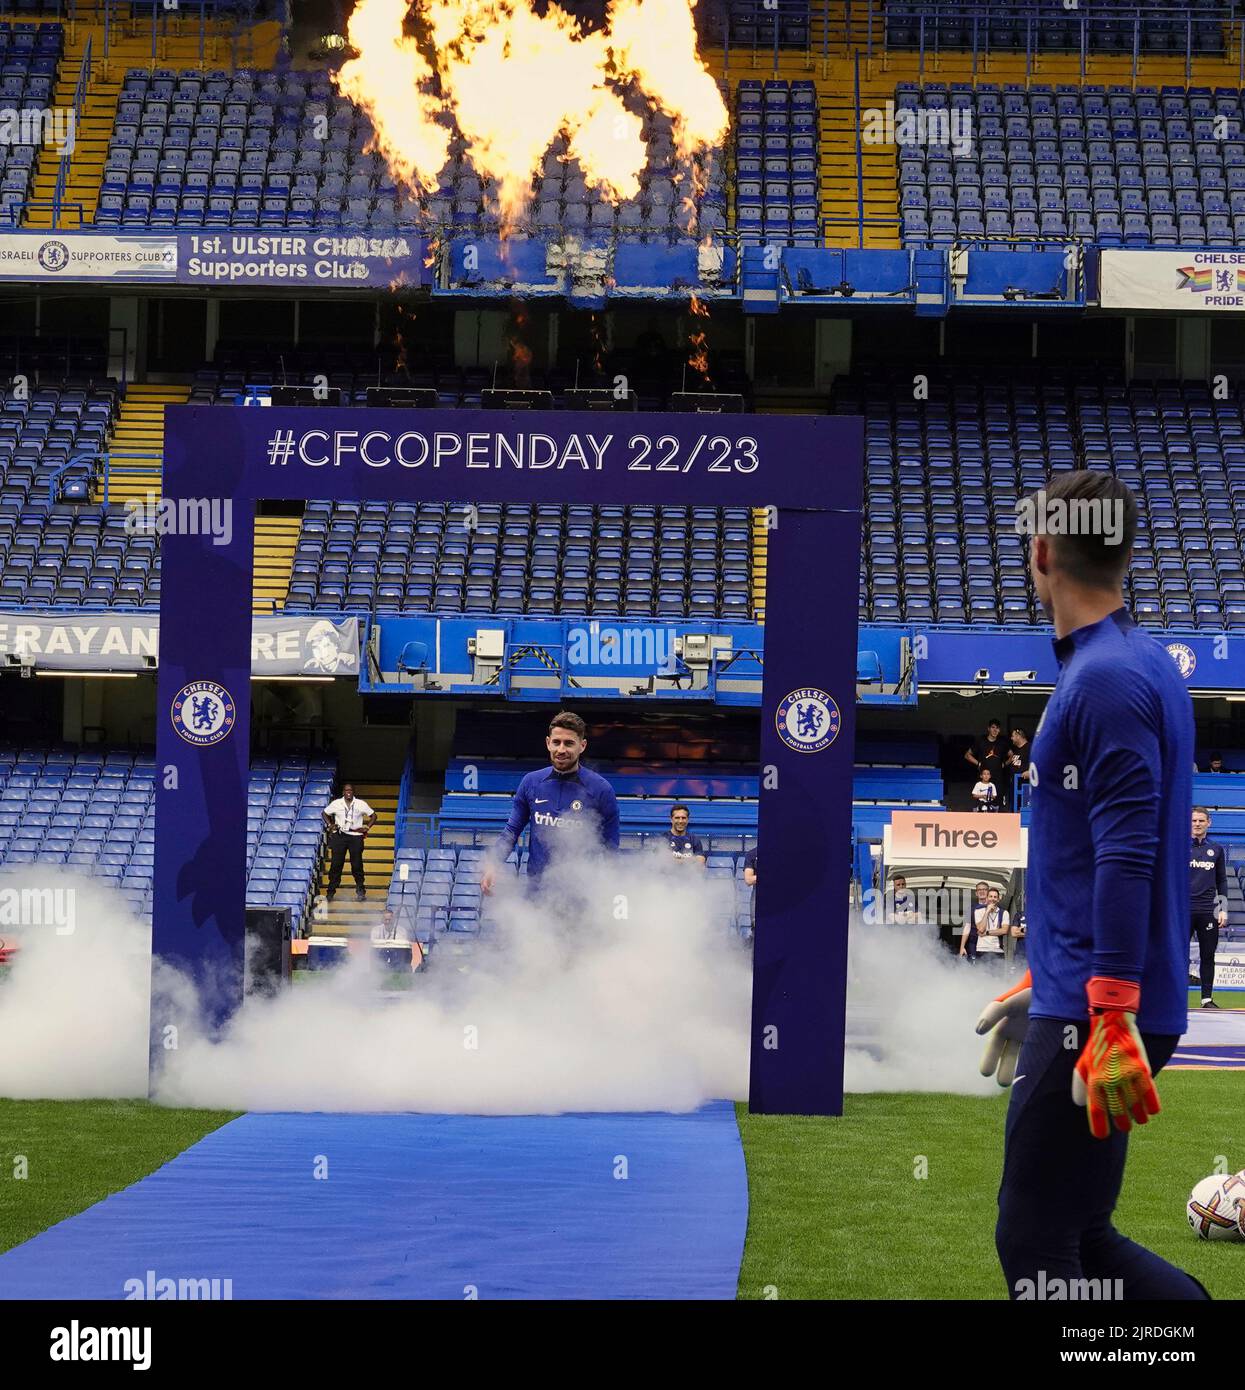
(808, 720)
(1184, 657)
(204, 713)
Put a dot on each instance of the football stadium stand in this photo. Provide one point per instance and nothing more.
(960, 462)
(1150, 166)
(93, 811)
(218, 149)
(29, 56)
(1109, 26)
(545, 559)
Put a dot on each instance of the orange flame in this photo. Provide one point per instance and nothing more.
(520, 353)
(514, 81)
(698, 340)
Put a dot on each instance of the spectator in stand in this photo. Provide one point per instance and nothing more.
(993, 924)
(903, 902)
(686, 848)
(1216, 763)
(985, 793)
(988, 752)
(968, 937)
(1017, 761)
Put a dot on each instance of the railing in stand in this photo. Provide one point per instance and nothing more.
(154, 471)
(65, 162)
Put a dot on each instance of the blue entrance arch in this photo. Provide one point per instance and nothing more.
(807, 470)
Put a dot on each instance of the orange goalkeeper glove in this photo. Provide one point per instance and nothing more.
(1006, 1019)
(1112, 1076)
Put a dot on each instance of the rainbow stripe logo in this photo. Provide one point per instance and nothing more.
(1196, 279)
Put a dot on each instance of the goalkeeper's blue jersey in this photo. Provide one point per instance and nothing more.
(1107, 891)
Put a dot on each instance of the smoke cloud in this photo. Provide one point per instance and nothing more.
(620, 989)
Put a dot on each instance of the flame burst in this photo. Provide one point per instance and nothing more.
(513, 81)
(698, 341)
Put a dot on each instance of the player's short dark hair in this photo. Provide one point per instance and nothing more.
(564, 719)
(993, 724)
(1216, 757)
(1090, 557)
(681, 807)
(1202, 810)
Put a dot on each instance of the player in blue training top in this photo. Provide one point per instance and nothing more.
(684, 846)
(1107, 902)
(1208, 894)
(567, 805)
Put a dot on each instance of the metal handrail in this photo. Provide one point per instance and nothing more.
(62, 170)
(155, 471)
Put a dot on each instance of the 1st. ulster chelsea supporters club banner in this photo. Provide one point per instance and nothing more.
(309, 646)
(1187, 281)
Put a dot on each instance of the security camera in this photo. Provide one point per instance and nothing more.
(1020, 675)
(983, 674)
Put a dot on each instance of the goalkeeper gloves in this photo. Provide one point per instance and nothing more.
(1112, 1076)
(1006, 1019)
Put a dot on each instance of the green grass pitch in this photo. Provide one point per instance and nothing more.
(894, 1200)
(76, 1152)
(837, 1208)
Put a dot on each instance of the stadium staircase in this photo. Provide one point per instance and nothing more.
(140, 430)
(276, 539)
(760, 560)
(129, 45)
(344, 916)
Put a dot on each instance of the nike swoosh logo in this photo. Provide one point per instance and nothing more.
(540, 800)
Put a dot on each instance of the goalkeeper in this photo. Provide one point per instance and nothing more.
(1107, 910)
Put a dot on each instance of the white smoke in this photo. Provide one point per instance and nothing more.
(912, 1006)
(74, 1009)
(631, 996)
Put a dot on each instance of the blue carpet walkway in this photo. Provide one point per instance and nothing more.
(419, 1206)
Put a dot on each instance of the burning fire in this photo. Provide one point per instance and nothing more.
(513, 81)
(698, 341)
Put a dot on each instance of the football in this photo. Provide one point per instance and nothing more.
(1216, 1207)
